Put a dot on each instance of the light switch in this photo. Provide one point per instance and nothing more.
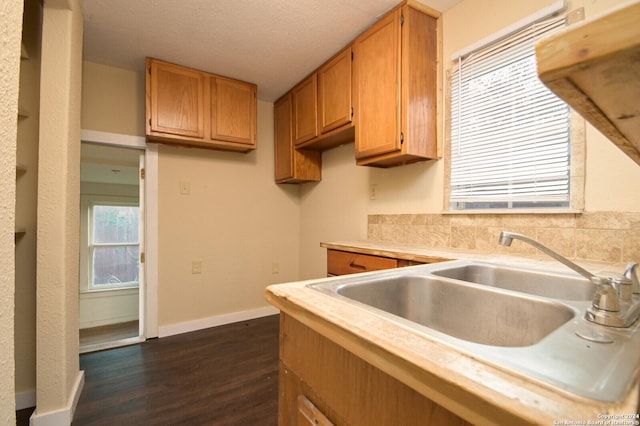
(196, 267)
(185, 187)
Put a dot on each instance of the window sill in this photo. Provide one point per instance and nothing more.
(105, 291)
(513, 211)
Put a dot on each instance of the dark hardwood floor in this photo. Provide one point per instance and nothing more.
(108, 333)
(225, 375)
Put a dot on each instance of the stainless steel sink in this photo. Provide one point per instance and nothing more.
(547, 284)
(462, 311)
(498, 315)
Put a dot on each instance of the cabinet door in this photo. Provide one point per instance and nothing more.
(377, 88)
(177, 100)
(305, 110)
(282, 139)
(292, 165)
(233, 111)
(334, 92)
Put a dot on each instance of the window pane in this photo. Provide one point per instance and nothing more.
(510, 143)
(115, 265)
(115, 224)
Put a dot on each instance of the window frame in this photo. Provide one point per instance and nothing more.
(576, 155)
(87, 203)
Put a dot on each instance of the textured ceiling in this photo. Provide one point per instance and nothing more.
(273, 43)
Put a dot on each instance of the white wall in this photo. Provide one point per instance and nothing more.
(26, 208)
(113, 99)
(10, 34)
(235, 220)
(57, 364)
(107, 307)
(333, 209)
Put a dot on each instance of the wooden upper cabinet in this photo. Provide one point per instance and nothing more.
(292, 165)
(305, 110)
(194, 108)
(233, 111)
(177, 100)
(282, 139)
(380, 91)
(334, 92)
(395, 89)
(377, 93)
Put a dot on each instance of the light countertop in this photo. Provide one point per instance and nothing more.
(475, 390)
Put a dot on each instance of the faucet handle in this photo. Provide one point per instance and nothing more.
(623, 286)
(606, 296)
(631, 272)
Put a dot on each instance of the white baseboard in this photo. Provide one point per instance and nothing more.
(110, 345)
(186, 327)
(64, 416)
(26, 399)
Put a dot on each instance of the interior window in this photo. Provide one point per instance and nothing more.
(113, 249)
(510, 136)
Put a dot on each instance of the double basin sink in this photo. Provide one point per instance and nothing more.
(526, 321)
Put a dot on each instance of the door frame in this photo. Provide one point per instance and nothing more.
(149, 295)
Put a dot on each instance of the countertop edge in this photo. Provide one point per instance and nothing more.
(430, 255)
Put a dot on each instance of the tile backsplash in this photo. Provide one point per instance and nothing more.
(595, 236)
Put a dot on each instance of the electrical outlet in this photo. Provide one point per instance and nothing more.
(373, 191)
(275, 268)
(196, 267)
(185, 187)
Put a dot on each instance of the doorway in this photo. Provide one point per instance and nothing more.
(111, 245)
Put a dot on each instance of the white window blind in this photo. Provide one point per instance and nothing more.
(510, 135)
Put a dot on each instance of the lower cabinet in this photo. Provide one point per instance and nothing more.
(321, 383)
(344, 262)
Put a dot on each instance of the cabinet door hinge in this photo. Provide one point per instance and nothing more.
(142, 173)
(142, 257)
(401, 138)
(401, 20)
(149, 70)
(351, 112)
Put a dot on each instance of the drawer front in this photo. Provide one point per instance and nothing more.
(344, 263)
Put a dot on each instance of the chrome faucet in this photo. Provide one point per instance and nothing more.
(506, 238)
(631, 272)
(616, 302)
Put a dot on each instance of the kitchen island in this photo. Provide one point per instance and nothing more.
(344, 365)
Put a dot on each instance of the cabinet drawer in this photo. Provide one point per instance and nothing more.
(343, 263)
